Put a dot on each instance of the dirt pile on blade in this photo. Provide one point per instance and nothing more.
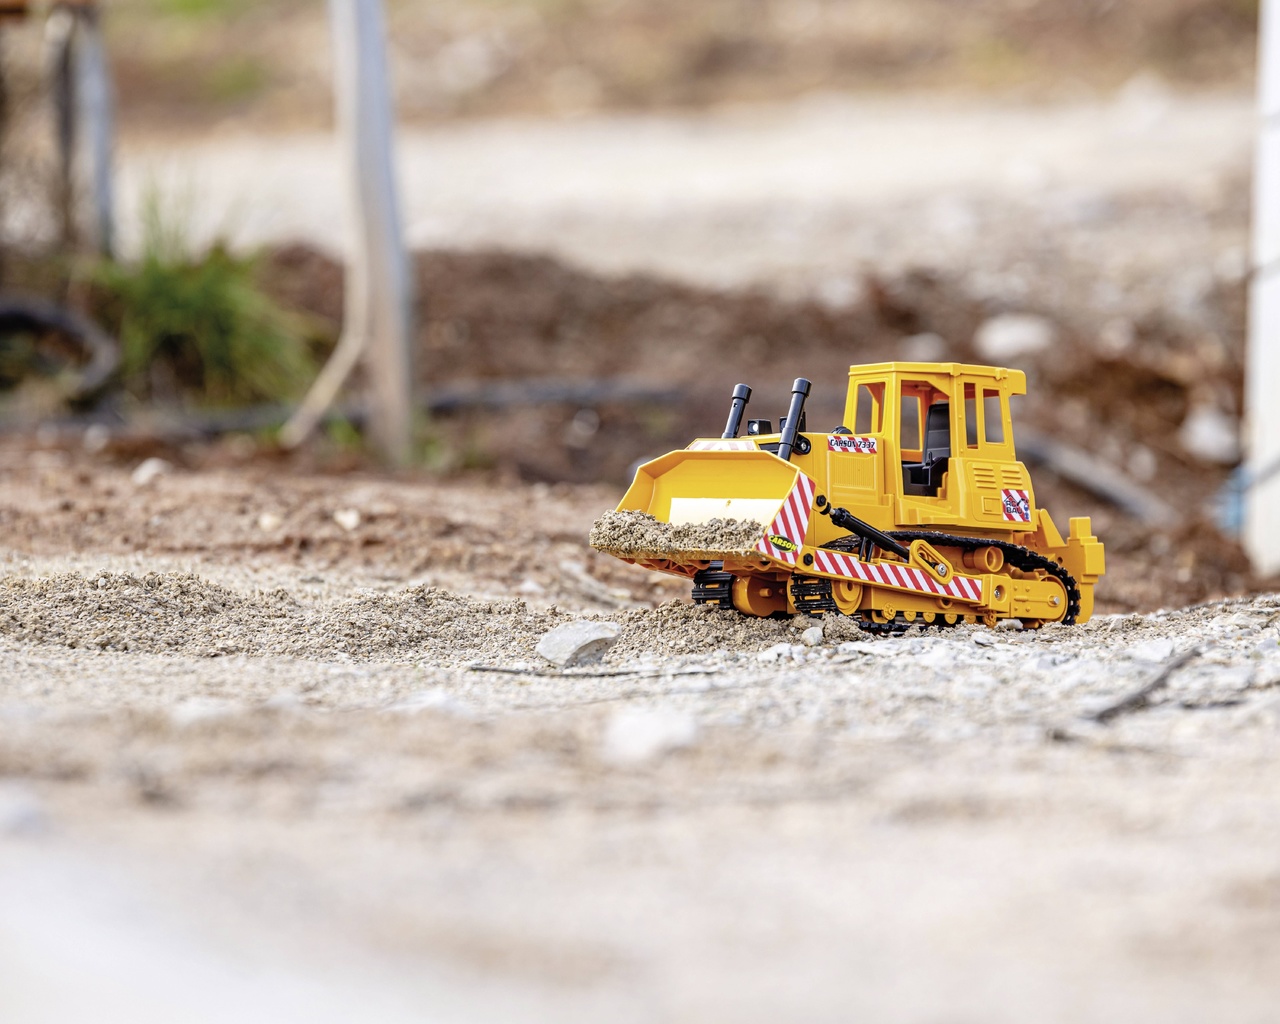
(630, 534)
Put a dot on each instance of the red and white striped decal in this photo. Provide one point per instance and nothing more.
(1016, 506)
(784, 537)
(896, 575)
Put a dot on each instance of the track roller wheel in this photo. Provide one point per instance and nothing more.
(760, 597)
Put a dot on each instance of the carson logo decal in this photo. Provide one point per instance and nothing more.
(853, 445)
(1016, 506)
(782, 537)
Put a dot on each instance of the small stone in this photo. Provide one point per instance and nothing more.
(1153, 651)
(866, 647)
(347, 518)
(1012, 335)
(778, 652)
(1013, 624)
(636, 735)
(1211, 435)
(270, 521)
(1268, 648)
(148, 471)
(578, 643)
(984, 639)
(96, 438)
(812, 637)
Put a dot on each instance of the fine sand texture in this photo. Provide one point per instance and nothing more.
(285, 743)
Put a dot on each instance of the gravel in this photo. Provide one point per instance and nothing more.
(352, 771)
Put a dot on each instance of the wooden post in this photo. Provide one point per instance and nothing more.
(1262, 377)
(378, 321)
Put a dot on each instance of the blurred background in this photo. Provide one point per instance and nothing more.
(617, 209)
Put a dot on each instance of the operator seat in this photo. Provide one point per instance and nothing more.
(924, 478)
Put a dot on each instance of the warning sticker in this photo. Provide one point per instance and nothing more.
(851, 444)
(1017, 506)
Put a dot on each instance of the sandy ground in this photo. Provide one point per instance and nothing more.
(260, 765)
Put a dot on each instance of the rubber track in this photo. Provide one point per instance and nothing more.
(1022, 559)
(713, 586)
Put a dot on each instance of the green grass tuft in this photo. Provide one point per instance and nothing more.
(199, 327)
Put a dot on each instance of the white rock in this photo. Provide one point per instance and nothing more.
(578, 643)
(96, 438)
(148, 471)
(778, 652)
(1153, 651)
(636, 735)
(812, 636)
(21, 811)
(1011, 335)
(984, 639)
(1210, 434)
(347, 518)
(867, 647)
(1014, 624)
(269, 521)
(1268, 648)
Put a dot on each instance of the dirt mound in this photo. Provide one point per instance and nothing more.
(183, 613)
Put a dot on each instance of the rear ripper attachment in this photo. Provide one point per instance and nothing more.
(914, 509)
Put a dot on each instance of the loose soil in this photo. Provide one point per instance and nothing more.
(260, 756)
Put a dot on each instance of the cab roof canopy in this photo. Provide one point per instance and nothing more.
(1013, 382)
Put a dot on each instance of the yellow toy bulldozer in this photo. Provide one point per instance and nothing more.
(914, 510)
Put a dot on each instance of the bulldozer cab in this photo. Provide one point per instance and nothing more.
(936, 442)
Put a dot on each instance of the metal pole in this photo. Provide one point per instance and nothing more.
(378, 321)
(1262, 378)
(85, 108)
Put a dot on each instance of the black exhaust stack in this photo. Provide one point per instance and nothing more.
(741, 396)
(795, 418)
